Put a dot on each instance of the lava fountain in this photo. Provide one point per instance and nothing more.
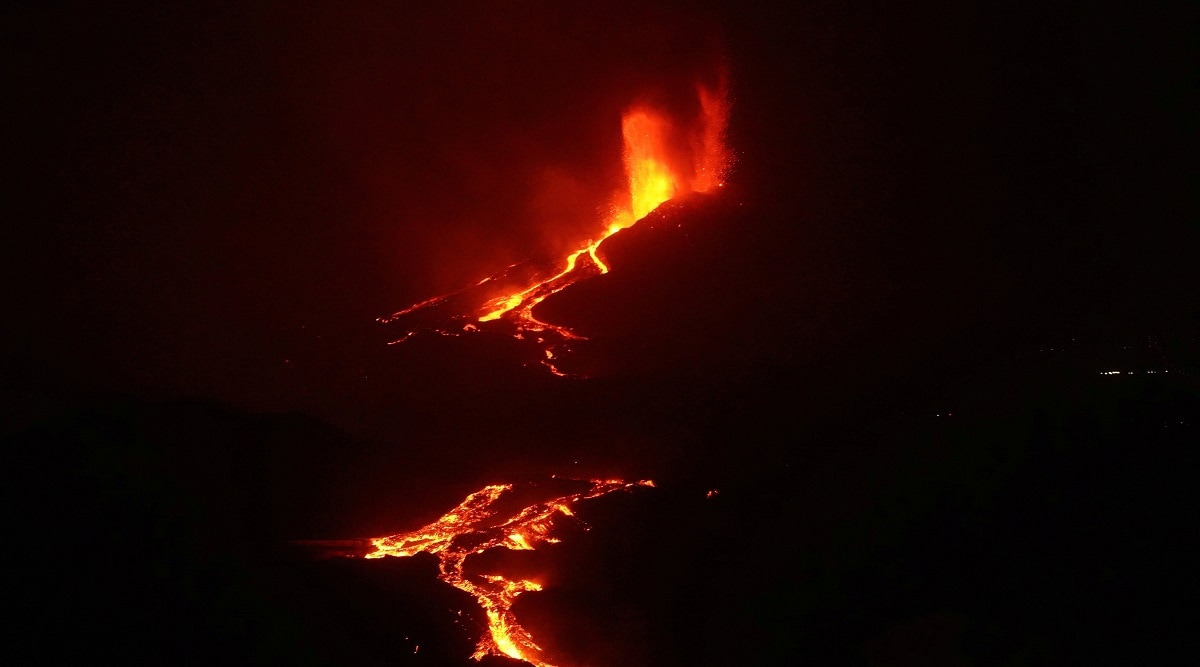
(664, 158)
(477, 525)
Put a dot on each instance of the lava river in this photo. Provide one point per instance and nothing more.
(479, 524)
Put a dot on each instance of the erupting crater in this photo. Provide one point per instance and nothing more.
(664, 158)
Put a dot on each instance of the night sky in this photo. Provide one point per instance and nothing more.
(210, 205)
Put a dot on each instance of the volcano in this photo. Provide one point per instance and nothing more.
(664, 159)
(357, 334)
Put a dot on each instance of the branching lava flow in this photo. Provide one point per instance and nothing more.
(476, 525)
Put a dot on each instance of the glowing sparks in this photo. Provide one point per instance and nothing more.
(664, 158)
(476, 525)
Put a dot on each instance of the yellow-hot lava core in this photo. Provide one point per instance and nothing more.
(476, 525)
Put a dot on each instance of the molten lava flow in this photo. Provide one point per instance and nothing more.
(663, 159)
(475, 526)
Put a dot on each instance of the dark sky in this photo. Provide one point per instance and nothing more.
(199, 191)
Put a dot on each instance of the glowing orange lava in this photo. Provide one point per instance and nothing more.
(663, 159)
(476, 525)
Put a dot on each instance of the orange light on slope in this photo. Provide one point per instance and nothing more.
(475, 520)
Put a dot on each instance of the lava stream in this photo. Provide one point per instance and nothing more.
(473, 528)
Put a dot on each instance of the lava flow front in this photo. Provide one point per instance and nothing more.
(476, 525)
(663, 159)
